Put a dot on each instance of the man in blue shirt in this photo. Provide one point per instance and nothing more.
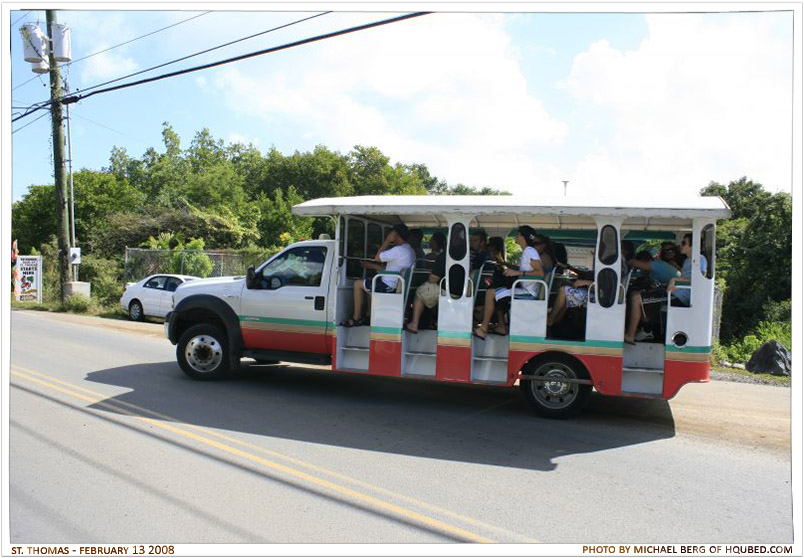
(660, 272)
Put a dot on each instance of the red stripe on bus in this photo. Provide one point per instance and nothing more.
(678, 373)
(385, 358)
(317, 343)
(453, 364)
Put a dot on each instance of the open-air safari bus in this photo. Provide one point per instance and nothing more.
(556, 375)
(292, 306)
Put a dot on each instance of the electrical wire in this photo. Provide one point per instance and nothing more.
(105, 126)
(80, 96)
(138, 38)
(29, 123)
(203, 52)
(34, 107)
(73, 98)
(118, 45)
(20, 19)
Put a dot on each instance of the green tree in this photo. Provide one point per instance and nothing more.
(754, 255)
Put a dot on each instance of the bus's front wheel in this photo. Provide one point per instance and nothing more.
(554, 398)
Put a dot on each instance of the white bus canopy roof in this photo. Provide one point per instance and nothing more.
(648, 212)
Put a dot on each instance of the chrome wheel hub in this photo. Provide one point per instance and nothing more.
(203, 353)
(554, 394)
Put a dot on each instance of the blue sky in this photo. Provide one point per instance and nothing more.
(514, 101)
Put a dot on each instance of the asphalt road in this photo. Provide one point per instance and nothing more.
(111, 442)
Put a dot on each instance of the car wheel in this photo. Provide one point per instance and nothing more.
(554, 398)
(203, 352)
(135, 311)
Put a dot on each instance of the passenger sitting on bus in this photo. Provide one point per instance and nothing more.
(545, 248)
(670, 253)
(577, 295)
(478, 253)
(681, 297)
(661, 273)
(398, 258)
(438, 243)
(415, 237)
(499, 299)
(428, 292)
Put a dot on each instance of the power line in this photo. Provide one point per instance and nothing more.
(34, 107)
(29, 123)
(107, 127)
(115, 46)
(20, 19)
(138, 38)
(80, 96)
(203, 52)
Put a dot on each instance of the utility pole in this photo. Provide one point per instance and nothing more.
(63, 225)
(565, 187)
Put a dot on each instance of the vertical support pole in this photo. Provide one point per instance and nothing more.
(73, 239)
(63, 227)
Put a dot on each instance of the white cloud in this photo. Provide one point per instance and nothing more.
(106, 66)
(95, 33)
(444, 89)
(702, 98)
(235, 137)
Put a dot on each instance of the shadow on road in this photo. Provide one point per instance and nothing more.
(475, 424)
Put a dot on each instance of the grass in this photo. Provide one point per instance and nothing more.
(112, 311)
(769, 379)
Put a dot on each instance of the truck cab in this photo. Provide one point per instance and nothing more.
(279, 311)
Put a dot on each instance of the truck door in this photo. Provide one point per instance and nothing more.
(286, 311)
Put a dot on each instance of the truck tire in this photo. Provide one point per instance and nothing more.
(203, 352)
(556, 400)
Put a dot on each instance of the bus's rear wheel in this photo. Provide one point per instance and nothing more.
(554, 398)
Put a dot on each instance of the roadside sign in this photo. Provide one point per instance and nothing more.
(29, 279)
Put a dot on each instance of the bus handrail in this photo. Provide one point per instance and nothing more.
(530, 279)
(380, 274)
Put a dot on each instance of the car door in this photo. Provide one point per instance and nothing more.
(286, 311)
(166, 302)
(152, 293)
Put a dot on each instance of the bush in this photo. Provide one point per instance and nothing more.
(742, 350)
(105, 276)
(77, 303)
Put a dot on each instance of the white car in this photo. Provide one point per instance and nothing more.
(153, 296)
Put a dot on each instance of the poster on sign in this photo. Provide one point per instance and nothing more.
(29, 279)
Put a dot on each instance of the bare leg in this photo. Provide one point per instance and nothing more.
(501, 329)
(359, 295)
(488, 311)
(559, 308)
(418, 308)
(634, 317)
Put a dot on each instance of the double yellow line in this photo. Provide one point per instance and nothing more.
(211, 438)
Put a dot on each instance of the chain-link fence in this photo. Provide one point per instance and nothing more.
(142, 262)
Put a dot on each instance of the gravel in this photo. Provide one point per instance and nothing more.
(726, 376)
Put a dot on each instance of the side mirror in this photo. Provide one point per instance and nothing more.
(250, 274)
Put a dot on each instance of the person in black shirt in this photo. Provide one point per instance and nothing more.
(428, 292)
(478, 253)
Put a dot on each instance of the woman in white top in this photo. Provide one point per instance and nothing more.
(499, 299)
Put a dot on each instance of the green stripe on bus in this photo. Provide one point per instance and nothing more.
(380, 329)
(455, 334)
(545, 341)
(286, 321)
(674, 349)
